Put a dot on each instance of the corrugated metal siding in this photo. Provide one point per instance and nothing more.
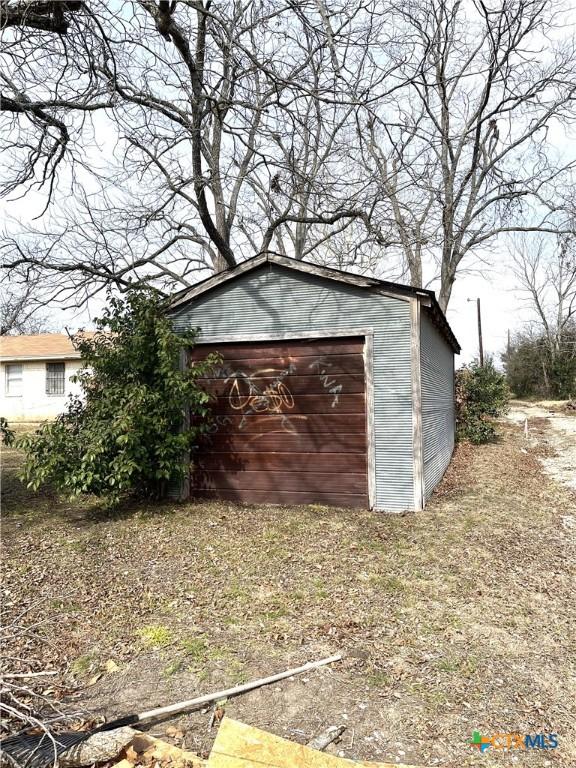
(276, 300)
(437, 371)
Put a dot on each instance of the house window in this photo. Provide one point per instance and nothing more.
(55, 378)
(14, 379)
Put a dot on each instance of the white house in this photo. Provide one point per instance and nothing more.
(35, 375)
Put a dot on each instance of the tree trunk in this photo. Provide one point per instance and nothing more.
(219, 262)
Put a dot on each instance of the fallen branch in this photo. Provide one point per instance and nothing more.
(14, 675)
(326, 737)
(40, 751)
(228, 693)
(99, 748)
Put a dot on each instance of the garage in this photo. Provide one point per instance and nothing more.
(289, 423)
(334, 388)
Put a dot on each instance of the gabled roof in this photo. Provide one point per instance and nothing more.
(40, 346)
(182, 298)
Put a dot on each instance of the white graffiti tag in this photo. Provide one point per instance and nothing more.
(246, 395)
(321, 366)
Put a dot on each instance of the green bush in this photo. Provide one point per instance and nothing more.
(481, 395)
(123, 435)
(6, 434)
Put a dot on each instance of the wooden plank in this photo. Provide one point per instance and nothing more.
(310, 424)
(417, 444)
(279, 399)
(241, 746)
(343, 482)
(288, 498)
(322, 442)
(275, 461)
(300, 384)
(269, 349)
(334, 365)
(370, 436)
(184, 490)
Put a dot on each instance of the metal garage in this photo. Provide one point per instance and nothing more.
(334, 388)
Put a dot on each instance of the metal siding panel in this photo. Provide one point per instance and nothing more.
(276, 300)
(437, 369)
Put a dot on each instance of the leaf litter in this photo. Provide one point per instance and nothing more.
(455, 619)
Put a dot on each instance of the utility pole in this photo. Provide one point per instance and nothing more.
(480, 342)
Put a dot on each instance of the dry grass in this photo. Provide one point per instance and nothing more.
(457, 618)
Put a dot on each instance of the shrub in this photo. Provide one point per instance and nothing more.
(6, 434)
(123, 436)
(481, 395)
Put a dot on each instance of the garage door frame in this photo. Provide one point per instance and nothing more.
(320, 334)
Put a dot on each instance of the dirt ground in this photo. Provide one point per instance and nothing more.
(557, 437)
(456, 619)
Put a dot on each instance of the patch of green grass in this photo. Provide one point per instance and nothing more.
(196, 649)
(236, 672)
(378, 679)
(272, 533)
(274, 551)
(320, 588)
(292, 526)
(83, 665)
(61, 604)
(447, 665)
(77, 545)
(462, 666)
(387, 583)
(373, 544)
(236, 591)
(434, 697)
(173, 667)
(275, 613)
(202, 675)
(155, 636)
(297, 597)
(199, 650)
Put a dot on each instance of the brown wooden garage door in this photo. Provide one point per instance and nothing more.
(289, 424)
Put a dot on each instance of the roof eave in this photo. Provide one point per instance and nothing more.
(401, 291)
(183, 297)
(26, 358)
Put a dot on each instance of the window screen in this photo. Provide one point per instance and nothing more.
(55, 378)
(13, 379)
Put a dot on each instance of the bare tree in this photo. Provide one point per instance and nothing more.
(232, 125)
(21, 311)
(461, 154)
(45, 15)
(415, 133)
(541, 357)
(546, 274)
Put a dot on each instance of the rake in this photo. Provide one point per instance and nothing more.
(29, 750)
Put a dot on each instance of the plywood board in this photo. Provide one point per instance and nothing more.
(241, 746)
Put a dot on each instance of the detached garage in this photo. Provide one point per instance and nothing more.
(333, 388)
